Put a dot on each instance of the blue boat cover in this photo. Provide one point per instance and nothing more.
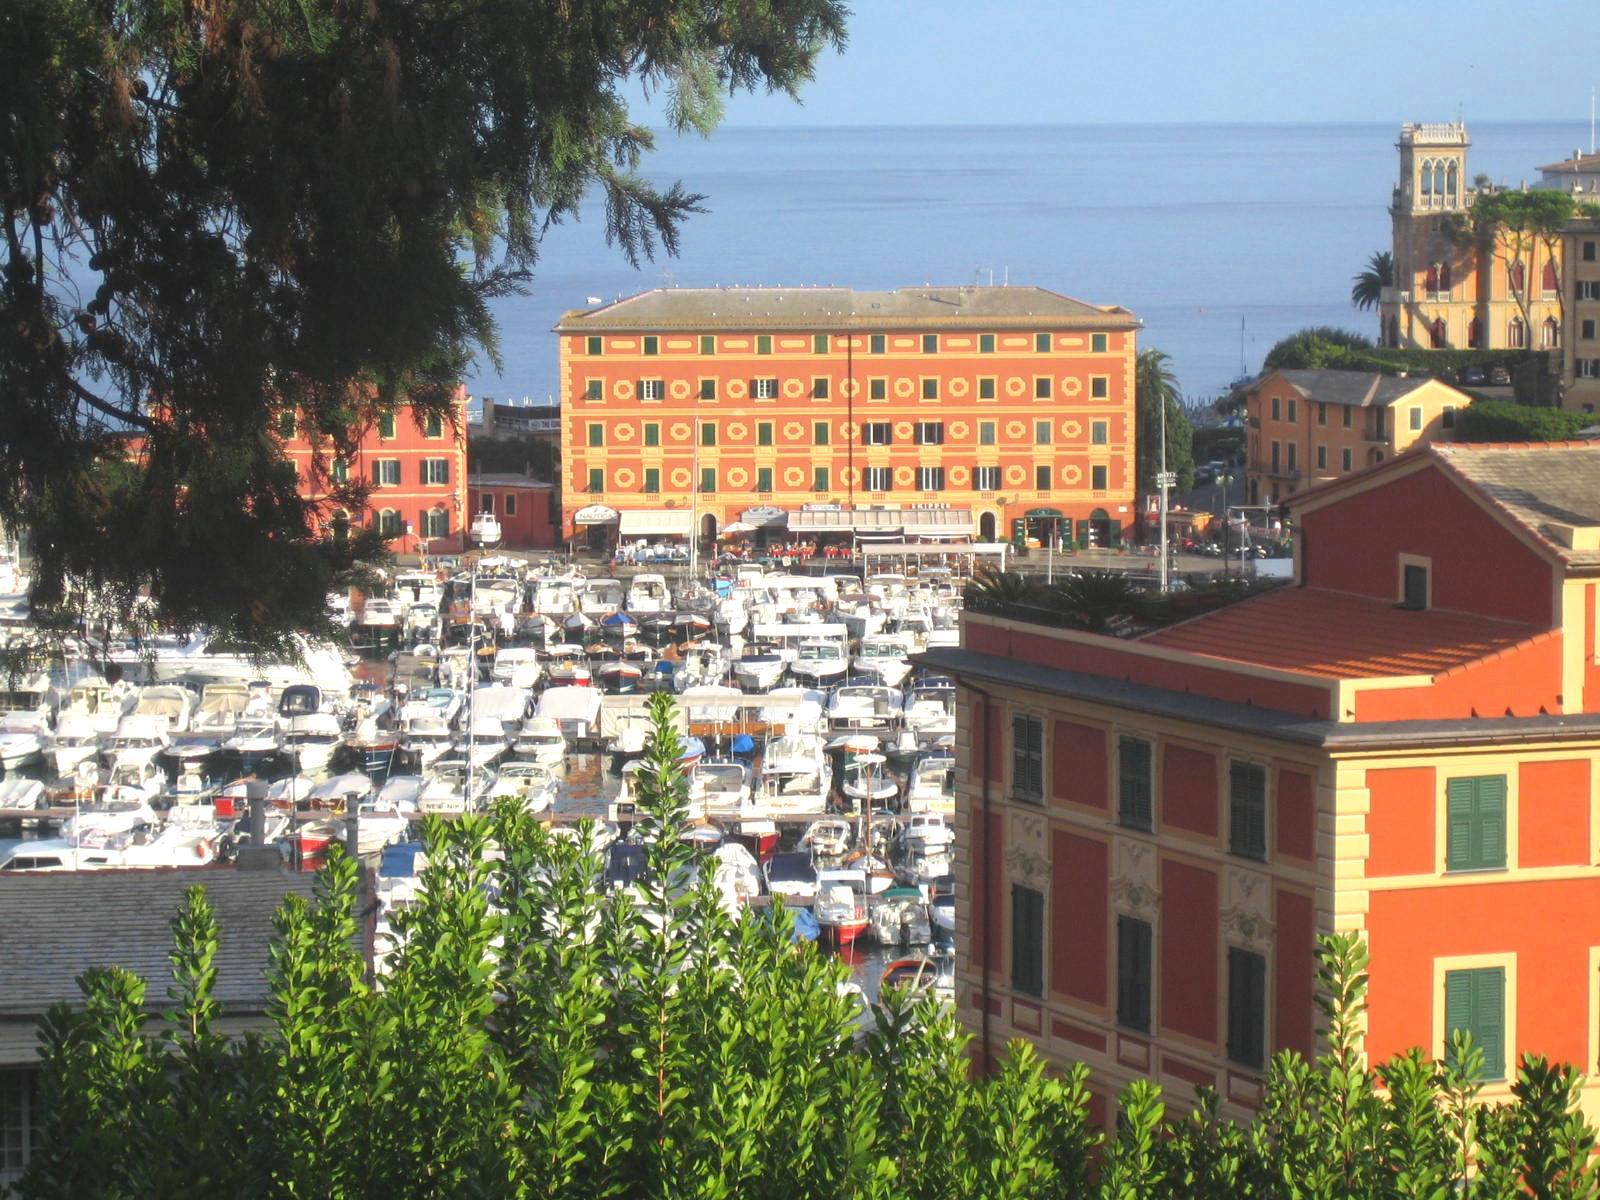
(806, 926)
(743, 744)
(399, 860)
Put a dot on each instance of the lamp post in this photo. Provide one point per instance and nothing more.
(1223, 481)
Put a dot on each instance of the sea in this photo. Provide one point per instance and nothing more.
(1220, 238)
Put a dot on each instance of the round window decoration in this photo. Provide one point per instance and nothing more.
(958, 429)
(850, 477)
(1071, 385)
(680, 431)
(849, 430)
(624, 477)
(737, 431)
(678, 389)
(623, 432)
(1071, 474)
(903, 388)
(794, 476)
(902, 430)
(1015, 429)
(959, 476)
(1015, 475)
(738, 476)
(1015, 387)
(737, 389)
(849, 389)
(1071, 428)
(903, 476)
(793, 388)
(958, 388)
(680, 477)
(622, 389)
(794, 431)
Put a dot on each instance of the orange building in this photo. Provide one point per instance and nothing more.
(1405, 743)
(415, 465)
(1309, 427)
(993, 411)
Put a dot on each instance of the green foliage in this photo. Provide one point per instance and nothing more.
(1156, 386)
(526, 452)
(1366, 287)
(1507, 421)
(1313, 347)
(217, 213)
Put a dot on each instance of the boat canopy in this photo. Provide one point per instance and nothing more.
(655, 522)
(571, 704)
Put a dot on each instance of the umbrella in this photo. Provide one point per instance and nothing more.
(737, 527)
(855, 743)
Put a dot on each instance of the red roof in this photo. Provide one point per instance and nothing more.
(1340, 636)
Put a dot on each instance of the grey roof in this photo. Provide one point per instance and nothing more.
(1340, 736)
(1356, 389)
(59, 925)
(506, 479)
(811, 308)
(1539, 486)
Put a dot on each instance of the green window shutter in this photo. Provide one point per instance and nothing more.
(1027, 940)
(1098, 343)
(763, 479)
(1134, 808)
(386, 425)
(819, 343)
(652, 479)
(652, 433)
(1475, 824)
(986, 343)
(1475, 1001)
(1247, 810)
(1133, 973)
(1247, 1002)
(1461, 802)
(708, 344)
(1491, 824)
(763, 433)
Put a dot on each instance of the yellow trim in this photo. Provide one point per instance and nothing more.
(1469, 962)
(1497, 765)
(1592, 1028)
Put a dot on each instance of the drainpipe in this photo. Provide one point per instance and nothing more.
(983, 867)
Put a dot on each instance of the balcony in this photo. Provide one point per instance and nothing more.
(1259, 467)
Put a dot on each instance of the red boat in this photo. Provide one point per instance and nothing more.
(841, 904)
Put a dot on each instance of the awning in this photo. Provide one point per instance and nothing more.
(885, 522)
(594, 514)
(655, 522)
(764, 516)
(824, 521)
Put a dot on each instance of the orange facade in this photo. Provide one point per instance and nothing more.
(721, 402)
(1405, 744)
(415, 471)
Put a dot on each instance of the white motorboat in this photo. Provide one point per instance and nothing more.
(575, 709)
(900, 918)
(539, 740)
(530, 784)
(379, 614)
(23, 794)
(932, 785)
(925, 868)
(175, 846)
(441, 702)
(554, 596)
(829, 837)
(795, 775)
(220, 709)
(737, 876)
(422, 623)
(137, 741)
(602, 596)
(167, 703)
(112, 811)
(23, 737)
(841, 906)
(721, 785)
(865, 780)
(648, 593)
(517, 666)
(415, 589)
(485, 740)
(566, 666)
(447, 789)
(311, 740)
(930, 712)
(864, 706)
(759, 671)
(819, 662)
(97, 703)
(883, 655)
(925, 830)
(253, 743)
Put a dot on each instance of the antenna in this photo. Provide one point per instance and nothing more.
(1591, 118)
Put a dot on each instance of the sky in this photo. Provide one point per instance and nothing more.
(1055, 62)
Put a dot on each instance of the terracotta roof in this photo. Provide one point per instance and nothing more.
(810, 308)
(1337, 635)
(1578, 164)
(1539, 486)
(1354, 389)
(59, 925)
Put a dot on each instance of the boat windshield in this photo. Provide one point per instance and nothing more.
(818, 651)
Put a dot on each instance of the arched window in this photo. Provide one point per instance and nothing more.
(1438, 177)
(436, 523)
(389, 523)
(1451, 182)
(1515, 275)
(1474, 334)
(1437, 334)
(1550, 334)
(1431, 285)
(1427, 177)
(340, 525)
(1517, 334)
(1550, 284)
(1444, 277)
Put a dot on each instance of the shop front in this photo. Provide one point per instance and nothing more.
(655, 535)
(596, 525)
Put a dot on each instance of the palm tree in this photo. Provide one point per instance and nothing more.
(1094, 600)
(1367, 288)
(1154, 385)
(993, 591)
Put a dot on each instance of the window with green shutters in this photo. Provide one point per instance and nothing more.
(1475, 823)
(819, 343)
(286, 423)
(986, 343)
(1475, 1001)
(1134, 805)
(386, 425)
(652, 433)
(1247, 810)
(708, 344)
(986, 388)
(592, 390)
(1134, 943)
(597, 479)
(819, 433)
(652, 479)
(985, 433)
(708, 434)
(1027, 758)
(764, 343)
(1097, 343)
(595, 345)
(763, 433)
(652, 345)
(930, 343)
(340, 471)
(1247, 1007)
(708, 479)
(763, 479)
(708, 389)
(1041, 343)
(877, 389)
(876, 344)
(597, 435)
(1027, 940)
(819, 479)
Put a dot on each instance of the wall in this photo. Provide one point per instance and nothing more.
(794, 415)
(533, 526)
(1479, 566)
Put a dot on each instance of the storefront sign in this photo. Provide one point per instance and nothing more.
(822, 508)
(594, 514)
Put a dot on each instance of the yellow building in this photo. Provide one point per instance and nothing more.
(1449, 296)
(1580, 354)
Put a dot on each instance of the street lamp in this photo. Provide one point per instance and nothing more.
(1223, 481)
(486, 533)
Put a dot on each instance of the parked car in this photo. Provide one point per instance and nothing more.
(1474, 375)
(1203, 474)
(1500, 377)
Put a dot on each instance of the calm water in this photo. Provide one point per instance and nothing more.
(1193, 227)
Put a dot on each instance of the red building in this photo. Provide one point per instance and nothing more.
(529, 510)
(415, 465)
(1404, 743)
